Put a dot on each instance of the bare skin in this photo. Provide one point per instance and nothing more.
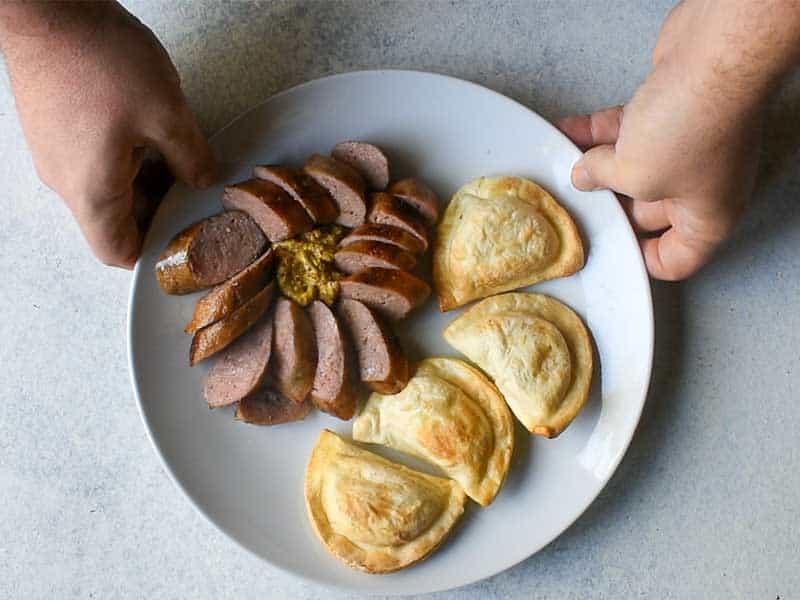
(94, 89)
(683, 153)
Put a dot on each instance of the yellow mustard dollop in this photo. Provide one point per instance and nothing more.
(306, 270)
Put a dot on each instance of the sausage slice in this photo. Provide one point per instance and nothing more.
(312, 196)
(279, 216)
(333, 390)
(218, 336)
(241, 368)
(381, 362)
(392, 293)
(365, 254)
(343, 183)
(209, 252)
(386, 234)
(269, 407)
(367, 159)
(386, 209)
(230, 295)
(294, 350)
(418, 195)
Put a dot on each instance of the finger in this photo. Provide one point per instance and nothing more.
(185, 149)
(672, 257)
(598, 128)
(648, 216)
(597, 169)
(101, 200)
(111, 229)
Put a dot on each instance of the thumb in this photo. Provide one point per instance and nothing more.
(185, 149)
(597, 169)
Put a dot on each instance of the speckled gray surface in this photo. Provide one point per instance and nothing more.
(705, 504)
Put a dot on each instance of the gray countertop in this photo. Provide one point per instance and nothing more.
(705, 504)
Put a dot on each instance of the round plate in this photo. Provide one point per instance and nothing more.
(248, 480)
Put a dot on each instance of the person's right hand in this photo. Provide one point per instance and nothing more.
(683, 152)
(94, 88)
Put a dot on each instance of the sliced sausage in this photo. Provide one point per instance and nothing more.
(367, 159)
(294, 350)
(242, 366)
(392, 293)
(269, 407)
(418, 195)
(387, 234)
(365, 254)
(279, 216)
(312, 196)
(343, 183)
(386, 209)
(334, 389)
(382, 364)
(209, 252)
(230, 295)
(218, 336)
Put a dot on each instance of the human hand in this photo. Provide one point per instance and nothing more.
(683, 152)
(94, 89)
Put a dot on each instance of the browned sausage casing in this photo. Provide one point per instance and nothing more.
(343, 183)
(386, 234)
(230, 295)
(362, 255)
(391, 292)
(386, 209)
(269, 407)
(312, 196)
(209, 252)
(382, 364)
(420, 196)
(334, 389)
(218, 336)
(278, 215)
(294, 350)
(367, 159)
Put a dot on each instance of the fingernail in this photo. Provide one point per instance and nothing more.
(581, 178)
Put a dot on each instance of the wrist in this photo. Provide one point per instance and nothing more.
(738, 52)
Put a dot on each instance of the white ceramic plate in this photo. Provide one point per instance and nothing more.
(248, 480)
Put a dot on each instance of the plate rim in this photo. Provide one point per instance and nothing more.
(135, 276)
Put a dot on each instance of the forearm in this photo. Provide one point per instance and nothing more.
(741, 49)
